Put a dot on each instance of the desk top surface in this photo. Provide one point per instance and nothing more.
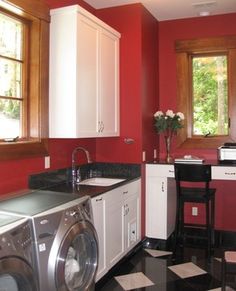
(206, 162)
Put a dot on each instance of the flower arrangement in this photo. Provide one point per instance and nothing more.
(168, 123)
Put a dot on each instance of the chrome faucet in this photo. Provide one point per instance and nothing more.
(75, 174)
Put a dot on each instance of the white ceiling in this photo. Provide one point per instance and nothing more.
(174, 9)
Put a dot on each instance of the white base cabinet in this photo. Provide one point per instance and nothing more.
(160, 201)
(117, 221)
(114, 226)
(84, 75)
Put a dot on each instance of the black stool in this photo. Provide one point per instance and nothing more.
(197, 174)
(228, 266)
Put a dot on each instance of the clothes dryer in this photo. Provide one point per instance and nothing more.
(16, 255)
(66, 247)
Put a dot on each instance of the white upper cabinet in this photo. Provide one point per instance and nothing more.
(84, 75)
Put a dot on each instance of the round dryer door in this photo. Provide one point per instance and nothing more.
(78, 258)
(16, 275)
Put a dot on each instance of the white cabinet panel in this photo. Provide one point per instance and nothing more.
(84, 75)
(223, 173)
(109, 80)
(160, 170)
(87, 77)
(132, 214)
(160, 202)
(114, 226)
(98, 206)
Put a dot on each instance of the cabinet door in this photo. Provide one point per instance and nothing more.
(156, 207)
(87, 78)
(62, 70)
(114, 227)
(109, 84)
(160, 206)
(98, 206)
(131, 220)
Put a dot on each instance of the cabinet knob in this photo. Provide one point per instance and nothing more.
(98, 199)
(162, 187)
(102, 126)
(99, 126)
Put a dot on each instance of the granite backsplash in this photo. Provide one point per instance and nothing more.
(61, 176)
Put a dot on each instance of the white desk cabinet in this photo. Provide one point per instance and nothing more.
(84, 75)
(117, 219)
(223, 172)
(160, 201)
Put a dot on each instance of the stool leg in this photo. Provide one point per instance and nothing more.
(223, 274)
(213, 220)
(176, 226)
(208, 228)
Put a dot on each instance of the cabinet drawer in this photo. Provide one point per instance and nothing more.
(131, 188)
(160, 170)
(223, 173)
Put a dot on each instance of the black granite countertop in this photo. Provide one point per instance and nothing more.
(60, 180)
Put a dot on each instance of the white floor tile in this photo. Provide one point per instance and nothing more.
(157, 253)
(133, 281)
(187, 270)
(219, 289)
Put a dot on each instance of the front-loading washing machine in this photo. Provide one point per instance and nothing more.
(66, 246)
(16, 255)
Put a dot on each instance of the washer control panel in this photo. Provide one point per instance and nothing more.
(17, 239)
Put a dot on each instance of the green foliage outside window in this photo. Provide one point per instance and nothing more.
(11, 35)
(210, 95)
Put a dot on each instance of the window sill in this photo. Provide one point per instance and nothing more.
(202, 143)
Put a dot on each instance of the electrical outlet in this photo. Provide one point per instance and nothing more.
(144, 156)
(47, 162)
(155, 154)
(194, 211)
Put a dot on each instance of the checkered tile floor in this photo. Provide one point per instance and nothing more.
(152, 269)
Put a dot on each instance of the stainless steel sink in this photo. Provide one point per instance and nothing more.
(100, 181)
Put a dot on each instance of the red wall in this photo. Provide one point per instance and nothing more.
(169, 31)
(14, 174)
(150, 75)
(138, 83)
(191, 28)
(127, 20)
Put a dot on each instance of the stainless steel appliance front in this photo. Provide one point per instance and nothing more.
(16, 255)
(66, 248)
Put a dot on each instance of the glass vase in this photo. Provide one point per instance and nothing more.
(168, 158)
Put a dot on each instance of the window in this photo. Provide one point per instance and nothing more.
(210, 95)
(24, 50)
(13, 66)
(206, 91)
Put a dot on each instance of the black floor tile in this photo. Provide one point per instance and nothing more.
(203, 282)
(156, 269)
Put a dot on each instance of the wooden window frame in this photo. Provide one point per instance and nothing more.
(37, 14)
(184, 50)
